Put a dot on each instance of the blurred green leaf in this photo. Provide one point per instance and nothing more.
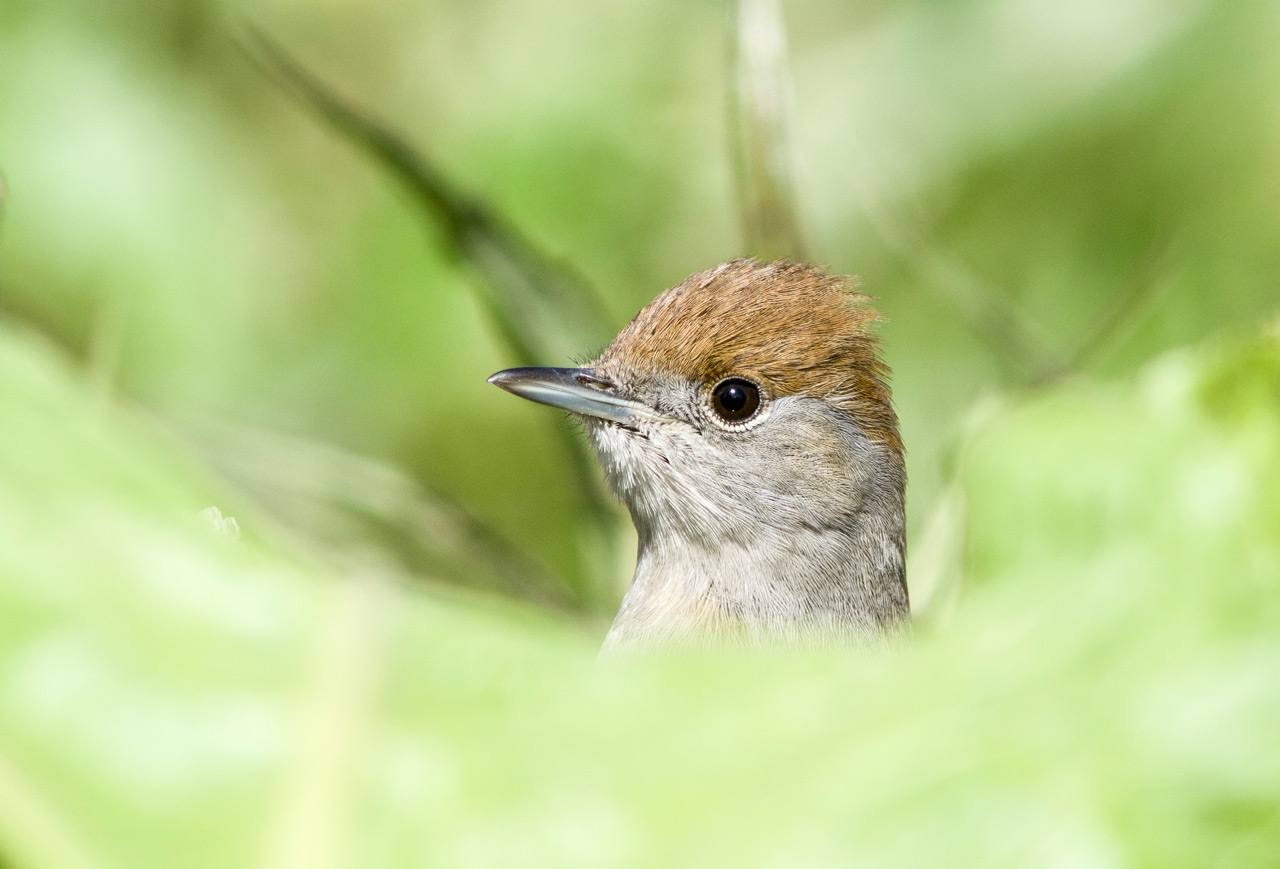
(1178, 468)
(166, 684)
(1105, 694)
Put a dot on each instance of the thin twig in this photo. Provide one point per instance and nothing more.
(327, 490)
(543, 312)
(1155, 274)
(1011, 333)
(759, 115)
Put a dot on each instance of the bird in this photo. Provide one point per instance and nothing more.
(745, 419)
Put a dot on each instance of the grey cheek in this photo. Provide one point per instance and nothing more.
(805, 452)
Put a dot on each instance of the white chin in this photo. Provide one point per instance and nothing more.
(621, 452)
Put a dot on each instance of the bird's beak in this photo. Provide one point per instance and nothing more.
(577, 390)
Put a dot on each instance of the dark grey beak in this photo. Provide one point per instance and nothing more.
(577, 390)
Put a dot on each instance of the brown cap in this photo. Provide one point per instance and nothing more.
(791, 327)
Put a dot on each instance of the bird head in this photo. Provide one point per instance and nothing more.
(745, 410)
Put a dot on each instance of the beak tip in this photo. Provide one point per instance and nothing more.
(576, 390)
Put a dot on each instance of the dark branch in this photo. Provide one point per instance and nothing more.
(543, 312)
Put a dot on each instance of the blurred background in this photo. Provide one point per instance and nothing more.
(262, 257)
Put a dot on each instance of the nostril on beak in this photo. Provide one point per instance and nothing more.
(594, 381)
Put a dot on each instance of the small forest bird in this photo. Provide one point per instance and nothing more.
(745, 418)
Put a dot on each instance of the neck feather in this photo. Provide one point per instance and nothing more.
(844, 581)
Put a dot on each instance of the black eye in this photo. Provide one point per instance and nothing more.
(735, 399)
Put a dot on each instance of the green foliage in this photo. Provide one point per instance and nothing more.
(1105, 696)
(213, 305)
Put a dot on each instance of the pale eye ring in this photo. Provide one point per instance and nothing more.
(735, 401)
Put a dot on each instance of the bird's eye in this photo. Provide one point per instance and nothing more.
(735, 399)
